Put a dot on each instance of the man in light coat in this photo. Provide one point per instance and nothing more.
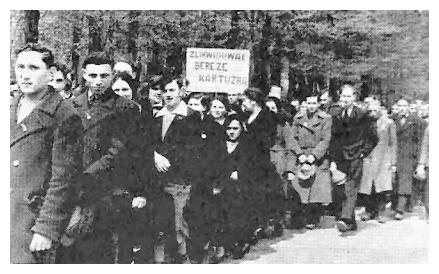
(379, 166)
(310, 137)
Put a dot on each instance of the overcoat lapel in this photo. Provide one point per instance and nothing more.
(40, 119)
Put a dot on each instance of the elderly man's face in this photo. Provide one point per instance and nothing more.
(347, 97)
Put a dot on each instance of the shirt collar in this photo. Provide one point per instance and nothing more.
(181, 109)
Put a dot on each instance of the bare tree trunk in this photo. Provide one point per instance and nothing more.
(94, 34)
(31, 27)
(74, 51)
(265, 53)
(284, 75)
(133, 33)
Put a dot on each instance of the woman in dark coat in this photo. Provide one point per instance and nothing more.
(234, 185)
(266, 196)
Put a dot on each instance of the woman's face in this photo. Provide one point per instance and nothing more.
(195, 104)
(233, 130)
(271, 106)
(121, 88)
(217, 109)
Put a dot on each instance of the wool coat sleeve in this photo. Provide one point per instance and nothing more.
(122, 131)
(393, 142)
(423, 157)
(292, 146)
(322, 146)
(370, 135)
(66, 165)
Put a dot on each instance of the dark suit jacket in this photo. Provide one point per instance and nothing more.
(111, 157)
(409, 137)
(45, 157)
(352, 138)
(181, 146)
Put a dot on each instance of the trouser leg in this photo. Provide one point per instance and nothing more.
(348, 205)
(180, 194)
(402, 202)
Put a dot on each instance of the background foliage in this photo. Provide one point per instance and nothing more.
(384, 52)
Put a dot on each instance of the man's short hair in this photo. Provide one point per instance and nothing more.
(168, 78)
(255, 94)
(98, 58)
(48, 58)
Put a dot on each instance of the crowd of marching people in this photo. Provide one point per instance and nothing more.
(121, 171)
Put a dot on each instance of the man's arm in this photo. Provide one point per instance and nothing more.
(320, 150)
(67, 152)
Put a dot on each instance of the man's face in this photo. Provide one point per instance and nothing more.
(155, 95)
(232, 97)
(172, 94)
(374, 110)
(121, 88)
(248, 104)
(195, 104)
(58, 82)
(98, 77)
(395, 109)
(312, 104)
(303, 106)
(403, 107)
(31, 72)
(271, 106)
(413, 108)
(295, 104)
(233, 130)
(347, 97)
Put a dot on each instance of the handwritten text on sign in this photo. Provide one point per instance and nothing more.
(217, 70)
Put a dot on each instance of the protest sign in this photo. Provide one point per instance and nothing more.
(217, 70)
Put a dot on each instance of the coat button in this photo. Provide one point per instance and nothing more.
(15, 163)
(23, 127)
(88, 116)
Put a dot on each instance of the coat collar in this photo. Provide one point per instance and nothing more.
(40, 118)
(182, 110)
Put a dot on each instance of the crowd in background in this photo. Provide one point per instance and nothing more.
(152, 173)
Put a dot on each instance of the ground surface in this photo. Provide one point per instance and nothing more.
(403, 241)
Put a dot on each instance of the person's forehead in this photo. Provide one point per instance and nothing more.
(120, 83)
(122, 66)
(402, 103)
(234, 123)
(172, 85)
(312, 99)
(30, 57)
(347, 91)
(217, 102)
(194, 101)
(58, 74)
(98, 69)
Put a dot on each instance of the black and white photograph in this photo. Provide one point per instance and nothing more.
(219, 136)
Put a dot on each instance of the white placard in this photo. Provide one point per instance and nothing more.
(217, 70)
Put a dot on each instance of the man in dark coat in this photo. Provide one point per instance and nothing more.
(110, 184)
(46, 145)
(176, 141)
(409, 135)
(353, 137)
